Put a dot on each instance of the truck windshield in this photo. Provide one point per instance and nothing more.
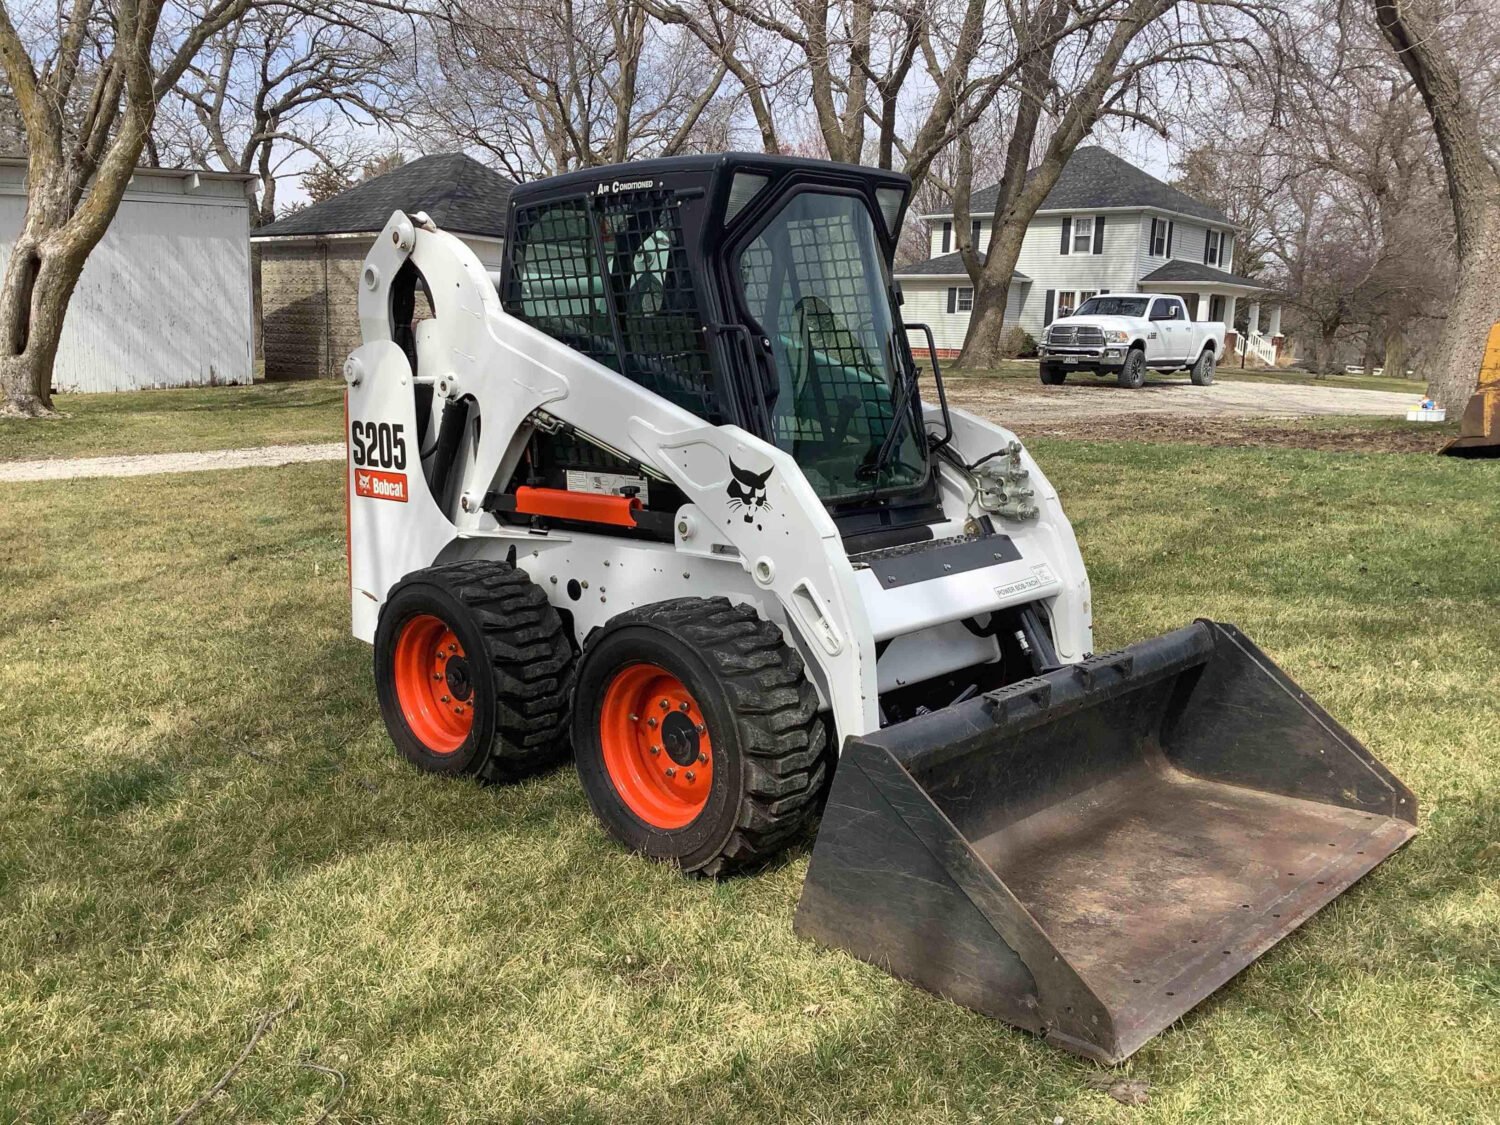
(814, 279)
(1112, 306)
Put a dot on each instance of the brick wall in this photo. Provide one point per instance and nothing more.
(309, 306)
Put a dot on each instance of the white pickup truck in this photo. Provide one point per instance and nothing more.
(1127, 334)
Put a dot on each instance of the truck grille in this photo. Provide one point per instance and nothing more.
(1067, 336)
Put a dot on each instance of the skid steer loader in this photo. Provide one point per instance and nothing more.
(664, 490)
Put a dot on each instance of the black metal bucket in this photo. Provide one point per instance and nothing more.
(1090, 853)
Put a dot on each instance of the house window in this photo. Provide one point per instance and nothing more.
(1067, 301)
(1158, 238)
(1213, 247)
(1085, 294)
(965, 299)
(1083, 234)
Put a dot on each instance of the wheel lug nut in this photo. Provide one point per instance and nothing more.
(690, 775)
(458, 710)
(702, 729)
(665, 705)
(684, 706)
(445, 699)
(702, 758)
(656, 749)
(437, 676)
(635, 718)
(651, 722)
(452, 648)
(671, 772)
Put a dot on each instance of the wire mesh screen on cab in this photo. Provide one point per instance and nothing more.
(813, 280)
(609, 276)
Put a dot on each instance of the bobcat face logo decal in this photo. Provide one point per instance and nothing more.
(748, 491)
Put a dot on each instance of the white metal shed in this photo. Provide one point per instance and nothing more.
(164, 300)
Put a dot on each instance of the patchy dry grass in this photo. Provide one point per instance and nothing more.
(184, 420)
(203, 819)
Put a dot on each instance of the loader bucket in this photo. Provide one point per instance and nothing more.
(1090, 853)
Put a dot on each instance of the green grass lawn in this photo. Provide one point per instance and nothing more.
(204, 820)
(183, 420)
(1025, 370)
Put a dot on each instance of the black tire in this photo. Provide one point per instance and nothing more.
(760, 717)
(503, 623)
(1053, 374)
(1202, 373)
(1133, 374)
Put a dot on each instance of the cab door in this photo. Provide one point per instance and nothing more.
(1169, 321)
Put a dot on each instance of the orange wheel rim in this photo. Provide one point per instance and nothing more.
(656, 746)
(434, 684)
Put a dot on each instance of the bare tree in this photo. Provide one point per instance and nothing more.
(545, 86)
(893, 85)
(284, 83)
(115, 61)
(1424, 42)
(1076, 68)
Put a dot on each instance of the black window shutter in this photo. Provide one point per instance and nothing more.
(947, 237)
(952, 299)
(1169, 238)
(1206, 236)
(974, 234)
(1067, 232)
(1098, 234)
(1047, 308)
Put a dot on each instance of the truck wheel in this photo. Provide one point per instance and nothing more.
(1054, 374)
(1133, 374)
(1202, 373)
(473, 668)
(697, 734)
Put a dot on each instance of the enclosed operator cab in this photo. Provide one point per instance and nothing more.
(750, 290)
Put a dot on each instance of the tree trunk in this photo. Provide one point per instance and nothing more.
(1453, 371)
(1395, 353)
(984, 342)
(1371, 358)
(1415, 34)
(39, 283)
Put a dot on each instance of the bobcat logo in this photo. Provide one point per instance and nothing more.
(748, 491)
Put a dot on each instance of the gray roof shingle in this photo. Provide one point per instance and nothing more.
(1094, 178)
(946, 265)
(1195, 271)
(458, 193)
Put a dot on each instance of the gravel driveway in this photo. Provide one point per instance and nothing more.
(1018, 403)
(70, 468)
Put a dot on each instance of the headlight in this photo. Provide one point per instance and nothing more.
(1115, 336)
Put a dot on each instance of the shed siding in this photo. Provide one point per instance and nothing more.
(164, 299)
(310, 302)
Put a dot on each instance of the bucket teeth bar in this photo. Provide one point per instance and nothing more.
(1090, 853)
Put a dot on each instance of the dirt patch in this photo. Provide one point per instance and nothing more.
(1242, 433)
(1224, 414)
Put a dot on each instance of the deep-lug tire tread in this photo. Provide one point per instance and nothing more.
(783, 738)
(530, 657)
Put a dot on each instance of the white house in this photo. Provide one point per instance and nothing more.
(1106, 227)
(164, 299)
